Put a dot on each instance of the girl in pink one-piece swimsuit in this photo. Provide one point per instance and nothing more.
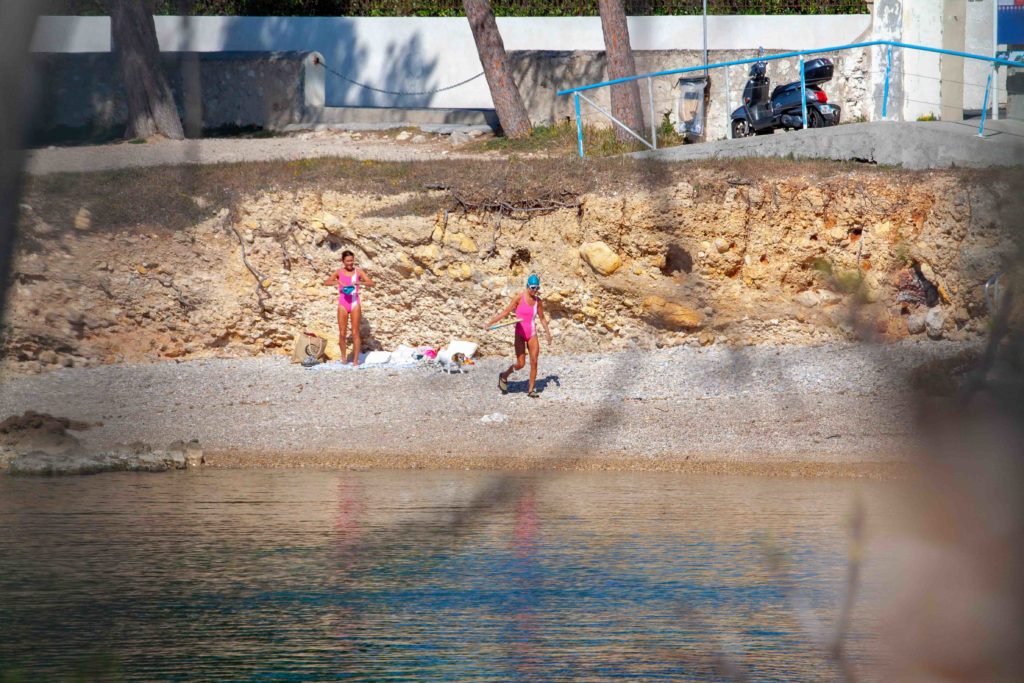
(349, 280)
(529, 309)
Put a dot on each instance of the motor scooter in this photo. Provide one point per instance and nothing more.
(762, 114)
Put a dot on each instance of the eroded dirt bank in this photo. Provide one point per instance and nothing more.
(712, 257)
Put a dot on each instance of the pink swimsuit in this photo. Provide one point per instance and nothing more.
(526, 313)
(348, 301)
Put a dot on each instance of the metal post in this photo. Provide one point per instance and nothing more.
(803, 93)
(984, 106)
(579, 126)
(728, 114)
(995, 92)
(650, 98)
(995, 53)
(705, 37)
(885, 92)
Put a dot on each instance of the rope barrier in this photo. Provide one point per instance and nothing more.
(397, 93)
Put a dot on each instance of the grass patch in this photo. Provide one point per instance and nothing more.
(421, 204)
(164, 198)
(560, 139)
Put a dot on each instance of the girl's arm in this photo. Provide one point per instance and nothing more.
(504, 314)
(332, 280)
(364, 279)
(543, 320)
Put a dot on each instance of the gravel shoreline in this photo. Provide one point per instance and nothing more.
(158, 152)
(800, 410)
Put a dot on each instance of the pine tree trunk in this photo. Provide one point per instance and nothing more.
(508, 103)
(151, 107)
(625, 96)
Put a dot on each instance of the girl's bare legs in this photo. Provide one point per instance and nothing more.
(342, 323)
(355, 315)
(534, 346)
(520, 358)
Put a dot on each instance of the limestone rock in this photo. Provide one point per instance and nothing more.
(460, 271)
(459, 138)
(42, 432)
(672, 314)
(332, 223)
(427, 254)
(807, 298)
(916, 322)
(191, 453)
(721, 245)
(83, 219)
(827, 297)
(934, 322)
(132, 458)
(418, 139)
(600, 257)
(460, 242)
(404, 135)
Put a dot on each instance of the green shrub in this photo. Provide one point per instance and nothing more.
(453, 8)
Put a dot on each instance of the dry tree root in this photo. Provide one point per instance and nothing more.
(283, 237)
(521, 205)
(183, 301)
(261, 291)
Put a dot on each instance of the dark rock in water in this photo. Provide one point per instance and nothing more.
(34, 431)
(136, 457)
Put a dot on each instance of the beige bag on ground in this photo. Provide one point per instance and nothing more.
(308, 344)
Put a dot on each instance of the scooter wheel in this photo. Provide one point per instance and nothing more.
(741, 129)
(815, 119)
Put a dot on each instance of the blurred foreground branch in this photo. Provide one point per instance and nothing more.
(17, 25)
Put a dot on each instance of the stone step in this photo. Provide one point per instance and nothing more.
(380, 118)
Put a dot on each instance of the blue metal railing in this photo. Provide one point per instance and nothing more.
(577, 92)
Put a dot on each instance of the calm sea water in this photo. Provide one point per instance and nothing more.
(423, 576)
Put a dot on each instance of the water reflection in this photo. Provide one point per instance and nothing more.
(233, 575)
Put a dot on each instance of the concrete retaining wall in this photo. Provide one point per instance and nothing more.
(83, 94)
(417, 53)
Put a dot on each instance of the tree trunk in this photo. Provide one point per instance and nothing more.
(508, 103)
(625, 96)
(151, 107)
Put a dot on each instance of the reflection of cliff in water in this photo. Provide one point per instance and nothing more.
(589, 576)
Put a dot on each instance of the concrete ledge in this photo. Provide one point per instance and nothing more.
(401, 116)
(911, 145)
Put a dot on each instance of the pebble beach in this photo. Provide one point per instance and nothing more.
(805, 410)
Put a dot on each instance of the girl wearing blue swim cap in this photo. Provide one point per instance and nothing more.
(349, 280)
(529, 308)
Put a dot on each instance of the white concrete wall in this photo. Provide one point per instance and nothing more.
(921, 83)
(416, 54)
(72, 34)
(980, 40)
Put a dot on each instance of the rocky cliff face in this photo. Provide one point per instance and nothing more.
(713, 260)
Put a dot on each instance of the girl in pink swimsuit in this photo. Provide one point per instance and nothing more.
(529, 309)
(349, 280)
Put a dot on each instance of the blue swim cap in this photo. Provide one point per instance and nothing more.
(533, 281)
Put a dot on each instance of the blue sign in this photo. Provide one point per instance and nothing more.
(1011, 24)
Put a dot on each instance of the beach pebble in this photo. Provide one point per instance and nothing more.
(934, 322)
(495, 417)
(915, 322)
